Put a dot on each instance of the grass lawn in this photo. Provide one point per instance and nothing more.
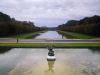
(25, 35)
(77, 35)
(61, 45)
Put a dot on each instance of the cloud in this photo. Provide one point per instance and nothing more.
(49, 21)
(36, 10)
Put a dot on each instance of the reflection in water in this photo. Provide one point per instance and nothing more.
(55, 34)
(95, 50)
(48, 35)
(4, 50)
(66, 36)
(32, 61)
(50, 65)
(34, 36)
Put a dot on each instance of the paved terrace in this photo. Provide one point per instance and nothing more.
(12, 40)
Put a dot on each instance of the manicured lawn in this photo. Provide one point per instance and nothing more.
(81, 36)
(77, 45)
(61, 45)
(25, 35)
(22, 44)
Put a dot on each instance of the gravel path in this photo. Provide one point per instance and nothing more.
(12, 40)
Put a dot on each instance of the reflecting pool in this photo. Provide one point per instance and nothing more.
(52, 35)
(33, 61)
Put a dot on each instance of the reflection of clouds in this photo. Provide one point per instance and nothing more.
(31, 60)
(69, 61)
(50, 65)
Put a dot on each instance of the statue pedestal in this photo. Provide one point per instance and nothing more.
(51, 58)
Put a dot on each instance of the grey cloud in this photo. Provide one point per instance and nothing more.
(64, 9)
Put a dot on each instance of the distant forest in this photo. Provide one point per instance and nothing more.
(88, 25)
(11, 26)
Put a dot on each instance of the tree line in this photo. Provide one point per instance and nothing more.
(88, 25)
(10, 26)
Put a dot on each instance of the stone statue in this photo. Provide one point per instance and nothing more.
(51, 53)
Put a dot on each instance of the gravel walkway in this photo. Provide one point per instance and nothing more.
(12, 40)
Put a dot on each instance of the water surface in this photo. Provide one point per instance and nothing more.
(33, 61)
(49, 34)
(52, 35)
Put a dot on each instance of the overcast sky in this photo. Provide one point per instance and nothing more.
(50, 13)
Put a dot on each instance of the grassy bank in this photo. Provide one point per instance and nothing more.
(59, 45)
(77, 35)
(25, 35)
